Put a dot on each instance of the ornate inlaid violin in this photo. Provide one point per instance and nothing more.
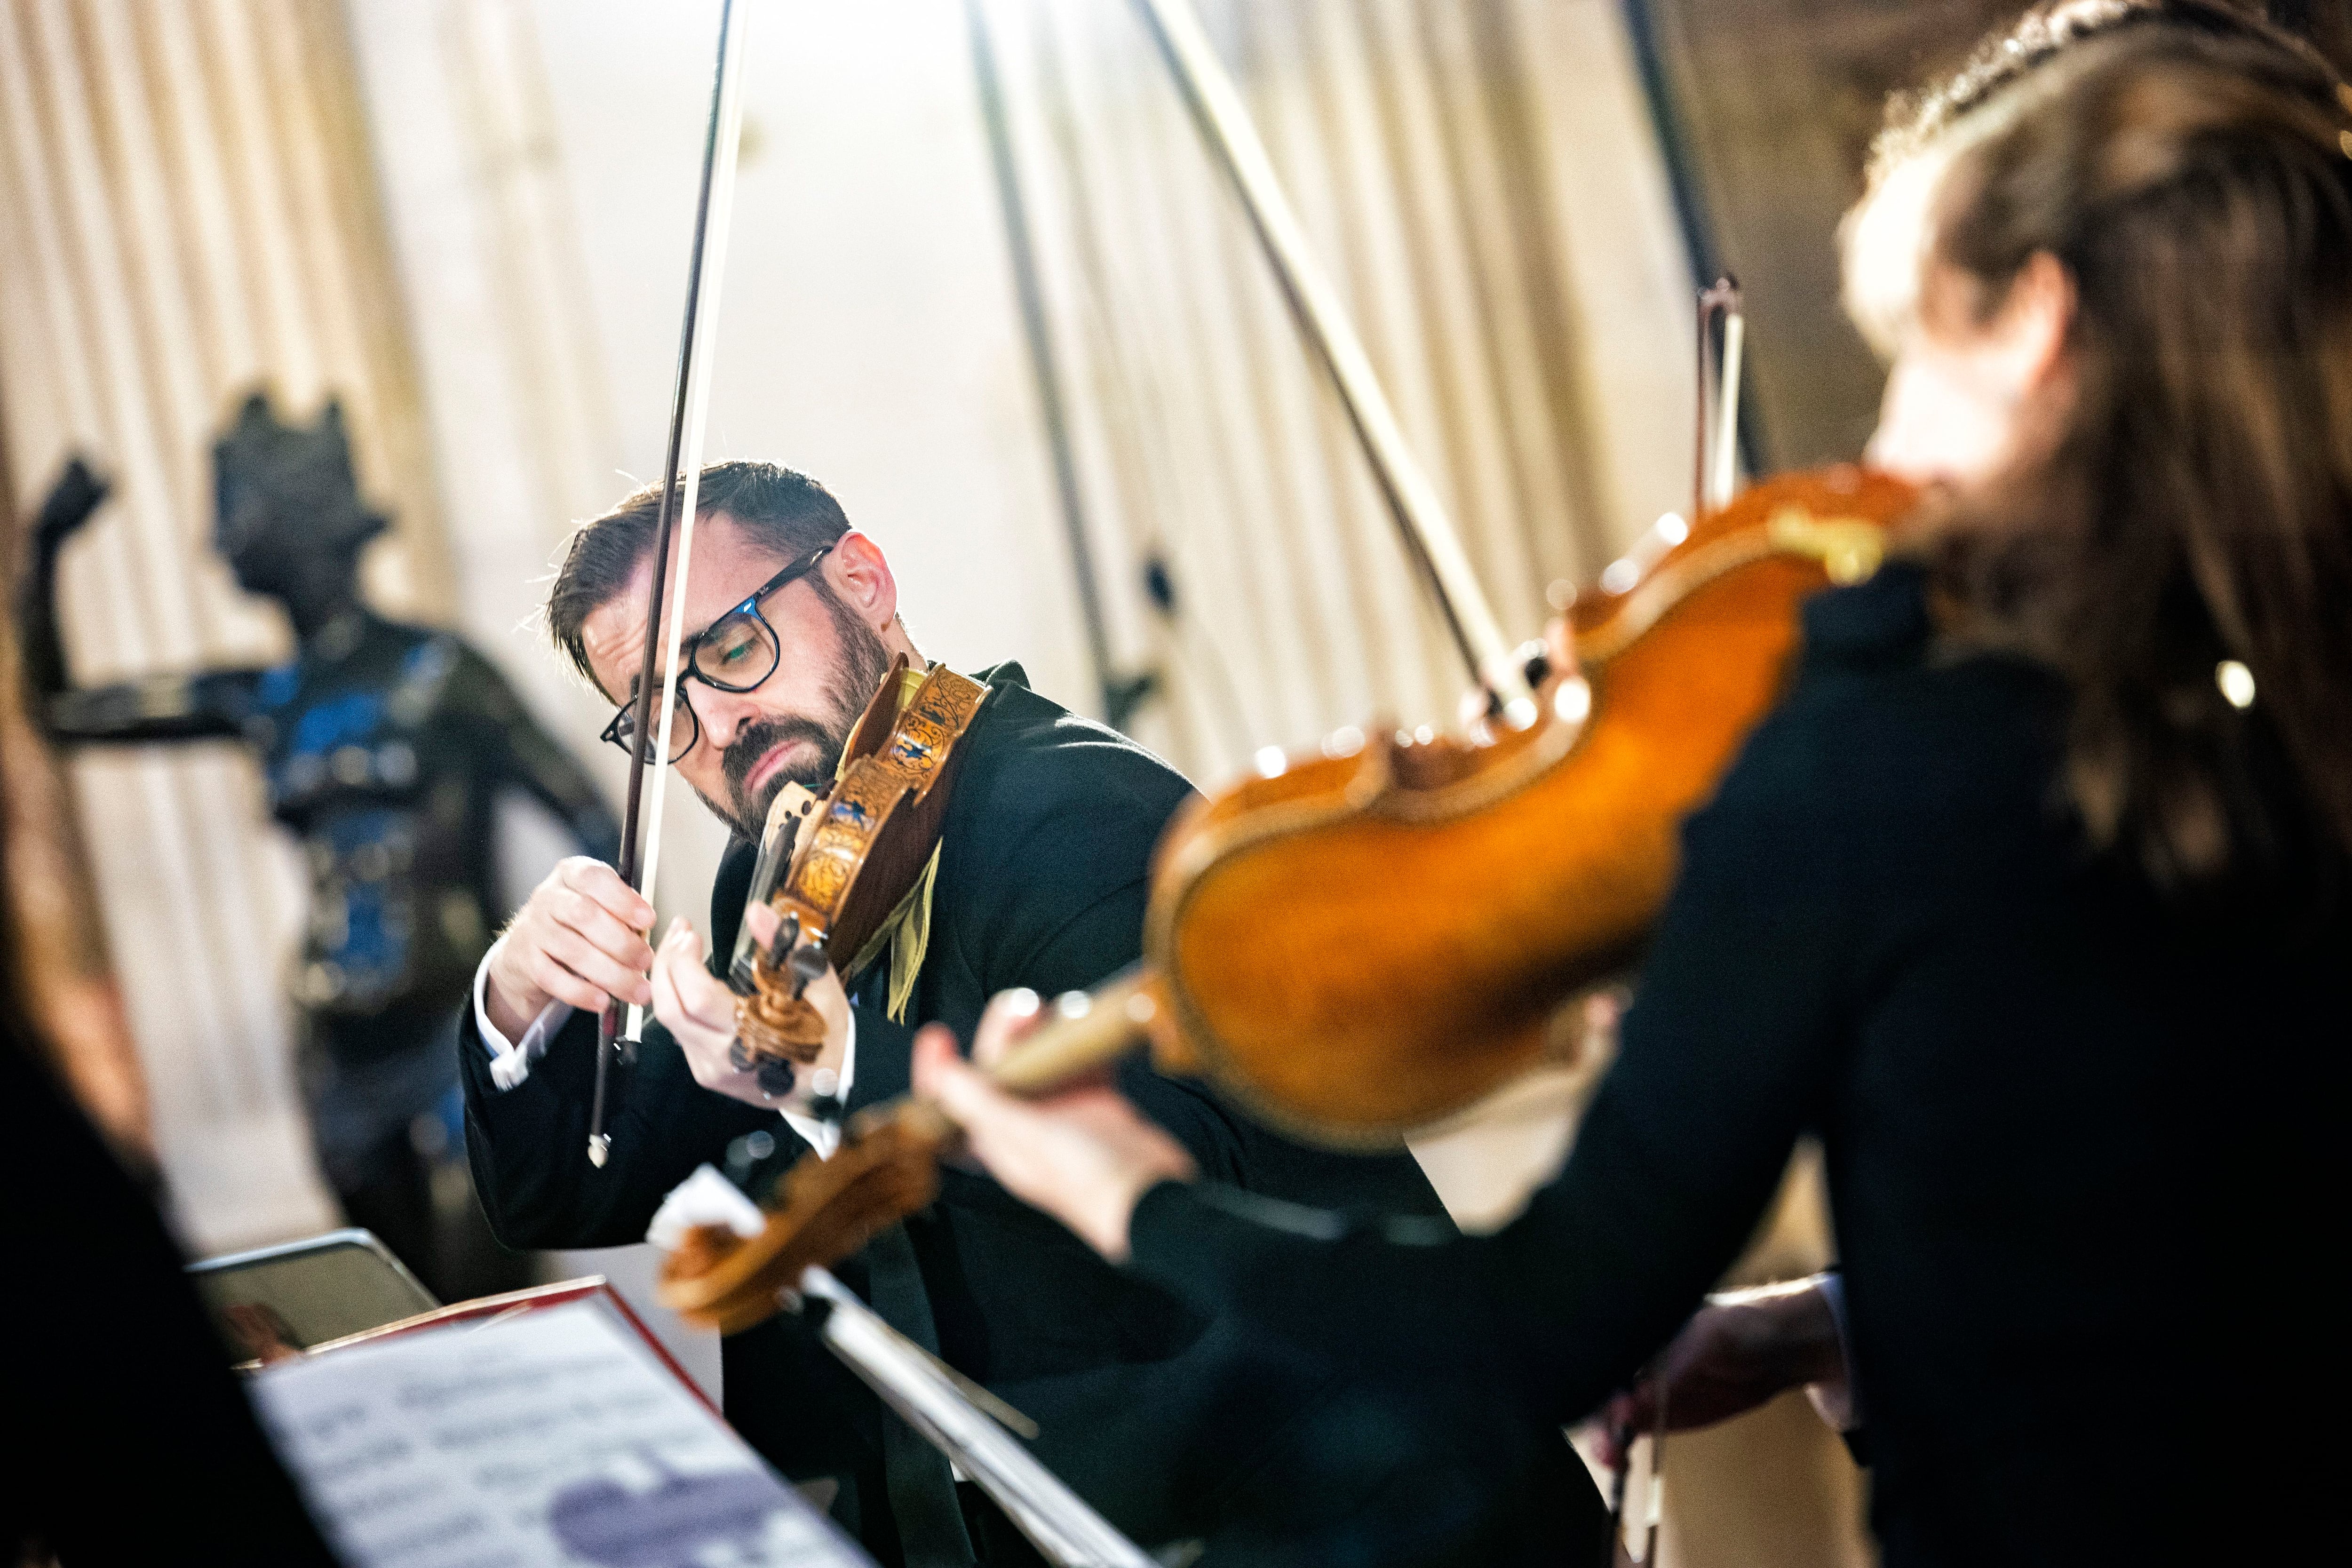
(834, 869)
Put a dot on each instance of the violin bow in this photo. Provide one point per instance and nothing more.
(681, 484)
(1430, 540)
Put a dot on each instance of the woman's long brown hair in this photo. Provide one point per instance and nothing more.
(2196, 182)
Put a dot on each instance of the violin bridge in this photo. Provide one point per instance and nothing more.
(791, 806)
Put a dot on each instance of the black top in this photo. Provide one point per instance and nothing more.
(1151, 1410)
(2074, 1130)
(134, 1443)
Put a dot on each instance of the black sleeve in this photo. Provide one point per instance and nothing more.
(1057, 885)
(1062, 869)
(529, 1144)
(1049, 885)
(139, 1446)
(211, 706)
(1726, 1058)
(1083, 949)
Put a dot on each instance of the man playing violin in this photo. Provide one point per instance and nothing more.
(1168, 1422)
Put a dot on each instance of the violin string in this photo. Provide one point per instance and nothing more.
(698, 409)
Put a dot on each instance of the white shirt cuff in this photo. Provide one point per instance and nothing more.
(1834, 1401)
(824, 1137)
(510, 1062)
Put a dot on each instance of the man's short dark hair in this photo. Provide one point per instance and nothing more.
(790, 513)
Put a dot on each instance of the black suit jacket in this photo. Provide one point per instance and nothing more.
(1157, 1412)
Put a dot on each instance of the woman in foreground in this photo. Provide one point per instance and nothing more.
(2033, 897)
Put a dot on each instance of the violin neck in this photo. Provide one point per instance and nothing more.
(1085, 1032)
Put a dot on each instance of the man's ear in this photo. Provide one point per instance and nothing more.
(861, 578)
(2031, 331)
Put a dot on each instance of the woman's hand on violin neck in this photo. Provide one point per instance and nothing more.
(1085, 1155)
(698, 1010)
(578, 939)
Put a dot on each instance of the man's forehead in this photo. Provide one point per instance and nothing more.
(728, 563)
(613, 635)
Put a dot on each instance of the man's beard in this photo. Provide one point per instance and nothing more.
(860, 663)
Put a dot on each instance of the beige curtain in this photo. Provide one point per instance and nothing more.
(1434, 149)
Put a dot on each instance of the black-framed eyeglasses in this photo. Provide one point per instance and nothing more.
(736, 652)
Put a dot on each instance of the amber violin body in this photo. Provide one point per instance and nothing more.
(1384, 931)
(1375, 936)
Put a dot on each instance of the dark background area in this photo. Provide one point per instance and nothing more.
(1767, 109)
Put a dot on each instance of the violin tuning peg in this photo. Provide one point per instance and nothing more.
(787, 937)
(739, 1057)
(806, 964)
(775, 1079)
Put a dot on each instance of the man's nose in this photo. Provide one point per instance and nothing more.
(721, 712)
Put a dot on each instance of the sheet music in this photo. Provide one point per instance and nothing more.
(546, 1438)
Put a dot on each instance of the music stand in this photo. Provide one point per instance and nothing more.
(926, 1397)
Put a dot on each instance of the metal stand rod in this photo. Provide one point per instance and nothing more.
(1056, 1520)
(1429, 538)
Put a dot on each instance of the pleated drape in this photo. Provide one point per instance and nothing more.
(1434, 150)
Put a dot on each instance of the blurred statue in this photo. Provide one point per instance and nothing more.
(384, 748)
